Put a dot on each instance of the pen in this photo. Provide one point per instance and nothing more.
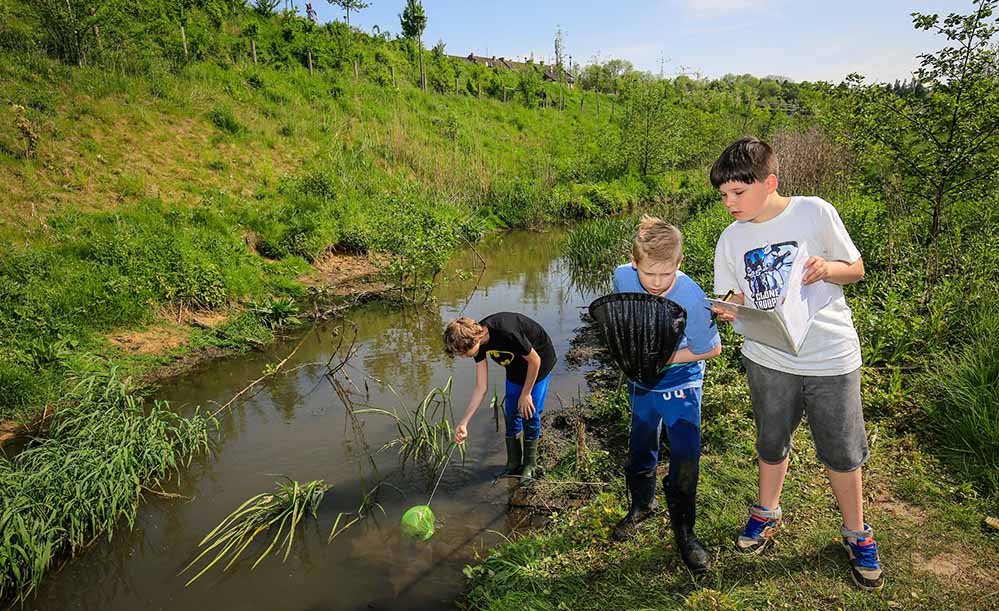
(728, 295)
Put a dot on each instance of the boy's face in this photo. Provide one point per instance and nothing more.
(473, 351)
(657, 277)
(746, 201)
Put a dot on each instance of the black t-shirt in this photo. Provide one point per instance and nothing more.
(511, 337)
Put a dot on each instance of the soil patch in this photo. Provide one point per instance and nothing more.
(159, 339)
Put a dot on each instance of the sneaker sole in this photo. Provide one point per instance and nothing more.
(746, 551)
(859, 580)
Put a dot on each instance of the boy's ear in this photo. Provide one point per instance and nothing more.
(632, 259)
(771, 182)
(679, 261)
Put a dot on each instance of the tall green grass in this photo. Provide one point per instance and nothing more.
(104, 447)
(964, 409)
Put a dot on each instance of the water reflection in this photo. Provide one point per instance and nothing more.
(296, 425)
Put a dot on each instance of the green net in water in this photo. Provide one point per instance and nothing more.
(418, 523)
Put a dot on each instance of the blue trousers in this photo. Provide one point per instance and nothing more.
(680, 411)
(514, 421)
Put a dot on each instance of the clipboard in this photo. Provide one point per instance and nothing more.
(785, 326)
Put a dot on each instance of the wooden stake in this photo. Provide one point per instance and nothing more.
(310, 61)
(253, 48)
(183, 41)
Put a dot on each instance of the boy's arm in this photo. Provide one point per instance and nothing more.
(703, 340)
(526, 402)
(686, 356)
(837, 272)
(478, 394)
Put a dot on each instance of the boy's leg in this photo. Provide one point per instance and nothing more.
(532, 430)
(778, 405)
(681, 411)
(514, 424)
(835, 415)
(643, 456)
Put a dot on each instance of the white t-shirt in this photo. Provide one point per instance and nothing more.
(754, 258)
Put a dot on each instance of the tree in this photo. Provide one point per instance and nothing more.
(648, 127)
(265, 7)
(414, 21)
(944, 135)
(350, 5)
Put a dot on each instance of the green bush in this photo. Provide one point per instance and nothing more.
(963, 411)
(222, 118)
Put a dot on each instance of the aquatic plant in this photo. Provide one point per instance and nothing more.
(104, 449)
(281, 511)
(424, 433)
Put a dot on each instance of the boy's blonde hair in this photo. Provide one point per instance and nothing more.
(657, 240)
(461, 335)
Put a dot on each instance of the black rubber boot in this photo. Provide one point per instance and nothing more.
(681, 496)
(514, 455)
(642, 489)
(530, 469)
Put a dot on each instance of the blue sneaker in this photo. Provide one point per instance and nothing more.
(762, 524)
(865, 565)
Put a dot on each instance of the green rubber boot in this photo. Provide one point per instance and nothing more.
(530, 470)
(514, 456)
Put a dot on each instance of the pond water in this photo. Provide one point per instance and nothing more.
(295, 426)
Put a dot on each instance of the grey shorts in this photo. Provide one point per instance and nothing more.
(833, 407)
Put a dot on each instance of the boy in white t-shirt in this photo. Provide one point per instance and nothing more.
(823, 380)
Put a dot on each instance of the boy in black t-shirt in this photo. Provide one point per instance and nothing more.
(524, 349)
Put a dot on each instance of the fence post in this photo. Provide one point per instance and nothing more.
(356, 74)
(253, 48)
(183, 41)
(310, 61)
(393, 76)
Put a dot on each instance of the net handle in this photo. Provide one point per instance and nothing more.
(454, 446)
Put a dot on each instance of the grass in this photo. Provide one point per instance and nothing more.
(103, 448)
(279, 512)
(964, 412)
(425, 433)
(923, 521)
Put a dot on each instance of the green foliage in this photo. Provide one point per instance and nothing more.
(945, 142)
(424, 433)
(281, 512)
(222, 118)
(413, 19)
(87, 475)
(963, 409)
(276, 313)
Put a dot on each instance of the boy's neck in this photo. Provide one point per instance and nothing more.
(776, 203)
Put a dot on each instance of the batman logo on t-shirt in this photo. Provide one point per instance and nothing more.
(502, 357)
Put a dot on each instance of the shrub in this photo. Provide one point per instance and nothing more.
(963, 411)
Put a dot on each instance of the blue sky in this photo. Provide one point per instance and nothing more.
(804, 40)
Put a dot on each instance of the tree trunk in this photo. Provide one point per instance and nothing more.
(253, 48)
(423, 75)
(183, 41)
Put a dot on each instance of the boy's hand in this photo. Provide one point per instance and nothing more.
(816, 268)
(460, 433)
(723, 313)
(526, 405)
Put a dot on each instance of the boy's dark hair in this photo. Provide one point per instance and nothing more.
(746, 160)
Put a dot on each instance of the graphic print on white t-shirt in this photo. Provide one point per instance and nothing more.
(766, 272)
